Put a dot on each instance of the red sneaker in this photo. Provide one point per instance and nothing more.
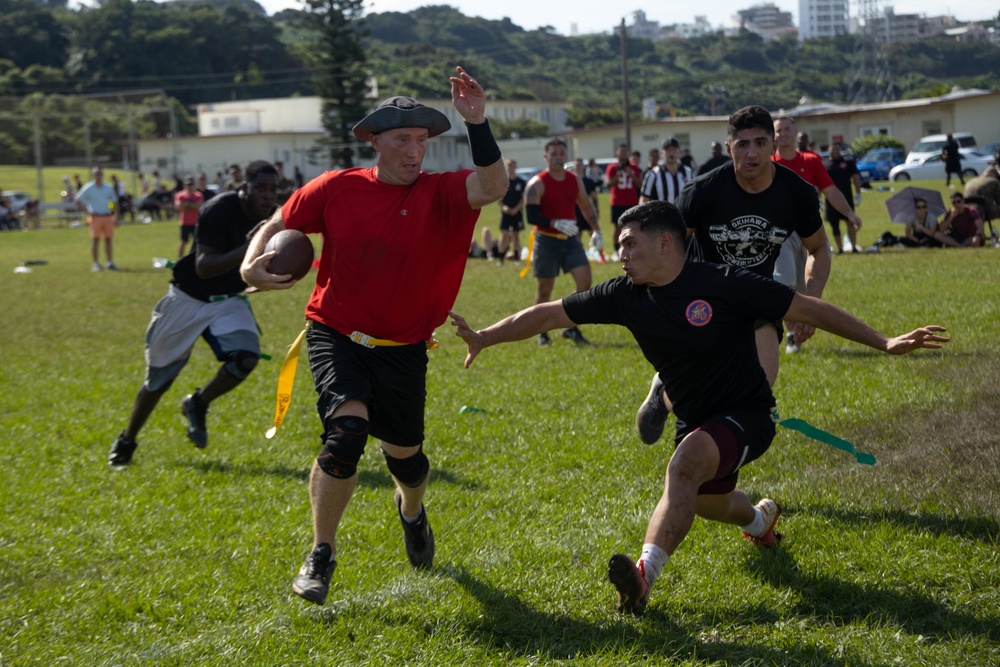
(769, 538)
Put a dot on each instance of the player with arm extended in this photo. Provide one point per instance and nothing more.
(694, 323)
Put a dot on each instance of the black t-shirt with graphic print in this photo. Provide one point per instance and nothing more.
(697, 332)
(733, 226)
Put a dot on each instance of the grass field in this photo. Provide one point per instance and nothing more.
(188, 556)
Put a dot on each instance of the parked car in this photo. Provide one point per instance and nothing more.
(932, 167)
(876, 163)
(990, 148)
(16, 198)
(932, 145)
(526, 172)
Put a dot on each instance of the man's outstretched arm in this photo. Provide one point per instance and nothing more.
(828, 317)
(519, 326)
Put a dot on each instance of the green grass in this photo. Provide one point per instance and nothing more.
(187, 557)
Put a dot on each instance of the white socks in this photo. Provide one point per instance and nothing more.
(653, 559)
(756, 527)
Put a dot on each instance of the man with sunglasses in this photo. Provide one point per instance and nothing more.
(962, 227)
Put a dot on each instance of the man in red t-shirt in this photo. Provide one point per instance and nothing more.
(187, 202)
(790, 267)
(395, 244)
(623, 179)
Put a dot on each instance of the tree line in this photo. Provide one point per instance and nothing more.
(214, 50)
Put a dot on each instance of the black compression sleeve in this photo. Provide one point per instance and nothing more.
(484, 146)
(535, 216)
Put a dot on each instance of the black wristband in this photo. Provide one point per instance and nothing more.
(484, 146)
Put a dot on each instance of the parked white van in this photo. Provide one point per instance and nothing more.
(932, 145)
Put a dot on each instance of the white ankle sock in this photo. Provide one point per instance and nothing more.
(654, 558)
(756, 527)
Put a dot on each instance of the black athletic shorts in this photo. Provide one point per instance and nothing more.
(742, 436)
(391, 381)
(187, 232)
(514, 223)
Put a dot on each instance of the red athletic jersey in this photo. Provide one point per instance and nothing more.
(623, 184)
(559, 199)
(393, 255)
(809, 166)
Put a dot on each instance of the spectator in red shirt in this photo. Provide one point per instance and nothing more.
(790, 266)
(187, 202)
(623, 179)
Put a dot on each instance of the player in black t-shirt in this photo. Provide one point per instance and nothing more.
(844, 174)
(511, 213)
(694, 322)
(740, 214)
(203, 302)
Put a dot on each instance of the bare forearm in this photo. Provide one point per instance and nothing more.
(526, 323)
(828, 317)
(838, 201)
(817, 271)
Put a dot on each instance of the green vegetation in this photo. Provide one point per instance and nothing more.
(187, 557)
(861, 145)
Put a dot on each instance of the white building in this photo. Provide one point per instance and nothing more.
(287, 130)
(823, 18)
(766, 20)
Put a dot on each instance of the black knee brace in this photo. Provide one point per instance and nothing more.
(239, 363)
(410, 471)
(344, 443)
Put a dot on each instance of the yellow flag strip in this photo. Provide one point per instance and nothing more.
(527, 262)
(286, 380)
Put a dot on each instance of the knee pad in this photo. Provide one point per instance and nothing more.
(410, 471)
(344, 444)
(240, 363)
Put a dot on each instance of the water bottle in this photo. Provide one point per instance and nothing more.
(160, 262)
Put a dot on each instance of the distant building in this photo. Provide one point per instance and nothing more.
(641, 28)
(288, 130)
(766, 20)
(823, 18)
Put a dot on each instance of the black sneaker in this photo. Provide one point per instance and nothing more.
(543, 340)
(194, 408)
(418, 536)
(574, 335)
(652, 414)
(313, 580)
(121, 451)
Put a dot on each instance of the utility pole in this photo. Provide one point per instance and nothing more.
(627, 124)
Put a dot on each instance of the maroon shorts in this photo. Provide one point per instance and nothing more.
(741, 436)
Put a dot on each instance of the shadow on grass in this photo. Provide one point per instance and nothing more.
(508, 625)
(844, 602)
(984, 529)
(369, 478)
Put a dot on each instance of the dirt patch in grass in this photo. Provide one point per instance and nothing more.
(948, 458)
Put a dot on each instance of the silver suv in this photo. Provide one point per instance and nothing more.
(932, 145)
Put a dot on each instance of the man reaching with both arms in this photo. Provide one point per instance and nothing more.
(694, 322)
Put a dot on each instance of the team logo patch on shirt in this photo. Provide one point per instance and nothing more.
(699, 313)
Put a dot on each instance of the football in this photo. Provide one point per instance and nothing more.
(295, 253)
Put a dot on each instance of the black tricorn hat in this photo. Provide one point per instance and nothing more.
(400, 111)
